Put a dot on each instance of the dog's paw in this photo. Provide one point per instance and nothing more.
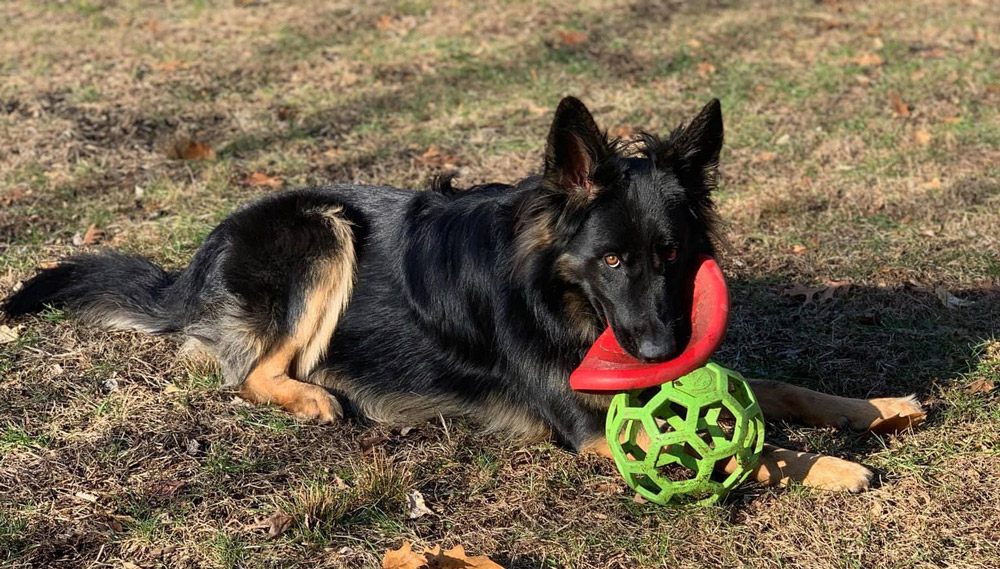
(837, 475)
(314, 403)
(891, 415)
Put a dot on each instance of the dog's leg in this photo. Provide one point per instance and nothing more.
(269, 383)
(779, 467)
(782, 401)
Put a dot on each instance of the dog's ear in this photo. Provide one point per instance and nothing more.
(575, 148)
(693, 150)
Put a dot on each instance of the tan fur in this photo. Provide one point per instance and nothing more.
(269, 383)
(534, 233)
(779, 467)
(270, 380)
(580, 315)
(783, 401)
(327, 299)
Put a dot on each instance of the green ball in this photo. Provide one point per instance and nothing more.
(694, 424)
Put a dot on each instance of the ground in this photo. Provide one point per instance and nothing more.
(861, 193)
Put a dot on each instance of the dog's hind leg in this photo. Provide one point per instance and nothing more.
(286, 272)
(781, 401)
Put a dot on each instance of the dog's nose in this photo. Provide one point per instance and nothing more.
(657, 349)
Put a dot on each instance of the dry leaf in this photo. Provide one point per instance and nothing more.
(693, 43)
(572, 38)
(799, 249)
(705, 69)
(765, 156)
(898, 105)
(169, 66)
(455, 558)
(86, 497)
(435, 158)
(994, 88)
(981, 386)
(403, 558)
(869, 60)
(187, 149)
(874, 28)
(92, 236)
(415, 506)
(260, 179)
(832, 288)
(170, 389)
(275, 524)
(950, 300)
(9, 335)
(165, 489)
(922, 137)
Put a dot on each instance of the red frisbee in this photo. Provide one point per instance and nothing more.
(607, 367)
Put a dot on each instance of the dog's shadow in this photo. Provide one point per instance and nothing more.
(858, 341)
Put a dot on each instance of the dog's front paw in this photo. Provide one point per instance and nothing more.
(837, 475)
(891, 415)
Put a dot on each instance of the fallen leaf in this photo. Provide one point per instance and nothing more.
(869, 60)
(86, 497)
(935, 53)
(809, 292)
(415, 506)
(129, 564)
(799, 249)
(165, 489)
(898, 105)
(572, 38)
(117, 526)
(693, 43)
(950, 300)
(186, 149)
(951, 120)
(435, 158)
(981, 386)
(9, 335)
(170, 389)
(765, 156)
(403, 558)
(12, 197)
(994, 88)
(454, 558)
(922, 137)
(833, 288)
(874, 27)
(275, 524)
(705, 69)
(933, 184)
(260, 179)
(623, 131)
(169, 66)
(92, 236)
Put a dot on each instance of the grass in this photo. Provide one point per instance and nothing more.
(821, 180)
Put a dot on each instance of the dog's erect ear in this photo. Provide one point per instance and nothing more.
(575, 147)
(693, 151)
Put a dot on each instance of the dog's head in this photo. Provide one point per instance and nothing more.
(624, 225)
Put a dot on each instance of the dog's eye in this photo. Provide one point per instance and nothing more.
(671, 254)
(613, 261)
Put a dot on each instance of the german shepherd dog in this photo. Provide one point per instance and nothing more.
(400, 305)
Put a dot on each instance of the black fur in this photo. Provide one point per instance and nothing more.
(466, 302)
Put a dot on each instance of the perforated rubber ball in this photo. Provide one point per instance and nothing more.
(672, 443)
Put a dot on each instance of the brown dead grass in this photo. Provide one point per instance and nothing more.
(113, 452)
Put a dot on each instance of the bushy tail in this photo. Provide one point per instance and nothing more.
(109, 289)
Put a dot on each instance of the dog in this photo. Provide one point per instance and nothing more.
(397, 305)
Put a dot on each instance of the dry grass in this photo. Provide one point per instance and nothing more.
(101, 463)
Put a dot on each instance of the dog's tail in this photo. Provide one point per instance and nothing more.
(109, 289)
